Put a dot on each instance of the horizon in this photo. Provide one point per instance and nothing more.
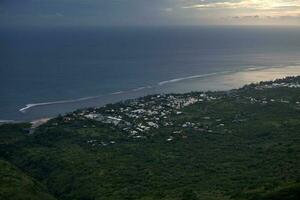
(120, 13)
(156, 27)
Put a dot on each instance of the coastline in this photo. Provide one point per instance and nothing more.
(39, 122)
(218, 81)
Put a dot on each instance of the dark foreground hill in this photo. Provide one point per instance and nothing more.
(241, 144)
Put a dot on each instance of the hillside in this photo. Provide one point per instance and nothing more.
(240, 144)
(16, 185)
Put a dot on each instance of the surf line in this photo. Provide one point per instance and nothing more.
(250, 68)
(28, 106)
(193, 77)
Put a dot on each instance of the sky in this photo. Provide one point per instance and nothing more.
(47, 13)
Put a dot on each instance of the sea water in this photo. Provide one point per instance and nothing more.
(44, 72)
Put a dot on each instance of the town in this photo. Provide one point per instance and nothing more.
(138, 118)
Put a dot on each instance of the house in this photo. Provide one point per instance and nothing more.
(112, 120)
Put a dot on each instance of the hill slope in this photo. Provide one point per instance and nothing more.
(15, 185)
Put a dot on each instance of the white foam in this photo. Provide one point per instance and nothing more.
(28, 106)
(193, 77)
(141, 88)
(249, 68)
(119, 92)
(255, 68)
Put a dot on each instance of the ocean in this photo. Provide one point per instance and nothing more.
(46, 72)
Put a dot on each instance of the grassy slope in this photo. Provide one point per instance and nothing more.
(256, 158)
(15, 185)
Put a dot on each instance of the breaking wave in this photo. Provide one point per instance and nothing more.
(193, 77)
(28, 106)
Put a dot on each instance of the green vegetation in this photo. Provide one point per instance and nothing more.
(15, 185)
(243, 145)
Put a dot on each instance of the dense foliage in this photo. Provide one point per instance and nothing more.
(246, 146)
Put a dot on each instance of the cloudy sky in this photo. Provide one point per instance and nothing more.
(148, 12)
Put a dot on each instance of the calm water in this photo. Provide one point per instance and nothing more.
(41, 66)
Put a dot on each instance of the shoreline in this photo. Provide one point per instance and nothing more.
(39, 122)
(219, 81)
(159, 84)
(34, 123)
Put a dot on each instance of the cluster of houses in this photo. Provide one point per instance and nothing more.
(100, 143)
(138, 117)
(281, 83)
(277, 85)
(266, 100)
